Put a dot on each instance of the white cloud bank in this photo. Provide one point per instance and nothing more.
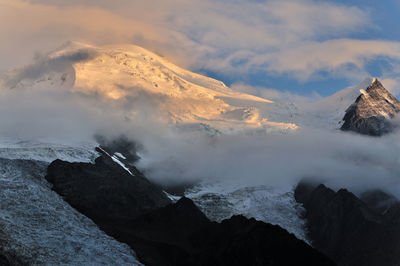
(173, 155)
(300, 38)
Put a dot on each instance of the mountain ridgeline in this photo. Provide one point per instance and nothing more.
(80, 205)
(352, 230)
(128, 207)
(372, 111)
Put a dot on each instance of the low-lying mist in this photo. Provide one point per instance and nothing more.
(336, 158)
(172, 155)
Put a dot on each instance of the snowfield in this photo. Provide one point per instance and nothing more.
(116, 74)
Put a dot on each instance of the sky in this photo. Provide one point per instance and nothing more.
(306, 47)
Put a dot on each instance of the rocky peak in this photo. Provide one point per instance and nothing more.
(376, 100)
(370, 114)
(349, 229)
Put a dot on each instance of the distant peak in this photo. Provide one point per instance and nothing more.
(372, 110)
(375, 82)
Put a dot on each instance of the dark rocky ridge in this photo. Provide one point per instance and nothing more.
(372, 111)
(185, 236)
(104, 190)
(349, 230)
(8, 258)
(128, 208)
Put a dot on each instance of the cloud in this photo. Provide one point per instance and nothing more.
(173, 154)
(44, 64)
(275, 95)
(392, 85)
(40, 101)
(241, 36)
(339, 159)
(32, 27)
(334, 56)
(299, 38)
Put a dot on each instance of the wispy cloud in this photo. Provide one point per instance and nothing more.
(274, 94)
(29, 27)
(300, 38)
(340, 57)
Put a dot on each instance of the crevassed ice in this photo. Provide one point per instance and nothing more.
(37, 225)
(269, 204)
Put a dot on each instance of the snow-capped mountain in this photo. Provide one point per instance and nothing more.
(141, 82)
(370, 114)
(329, 111)
(131, 74)
(132, 81)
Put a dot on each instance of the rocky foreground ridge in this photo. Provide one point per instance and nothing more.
(352, 230)
(166, 233)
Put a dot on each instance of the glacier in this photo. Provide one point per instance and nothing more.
(37, 225)
(267, 203)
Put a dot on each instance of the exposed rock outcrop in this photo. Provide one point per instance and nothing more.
(105, 190)
(136, 212)
(372, 111)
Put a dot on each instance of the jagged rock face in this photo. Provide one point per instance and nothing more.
(241, 241)
(176, 234)
(372, 111)
(349, 230)
(105, 190)
(180, 234)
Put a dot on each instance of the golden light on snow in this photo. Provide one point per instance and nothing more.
(119, 72)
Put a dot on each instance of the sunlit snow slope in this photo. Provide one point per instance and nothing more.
(145, 84)
(138, 78)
